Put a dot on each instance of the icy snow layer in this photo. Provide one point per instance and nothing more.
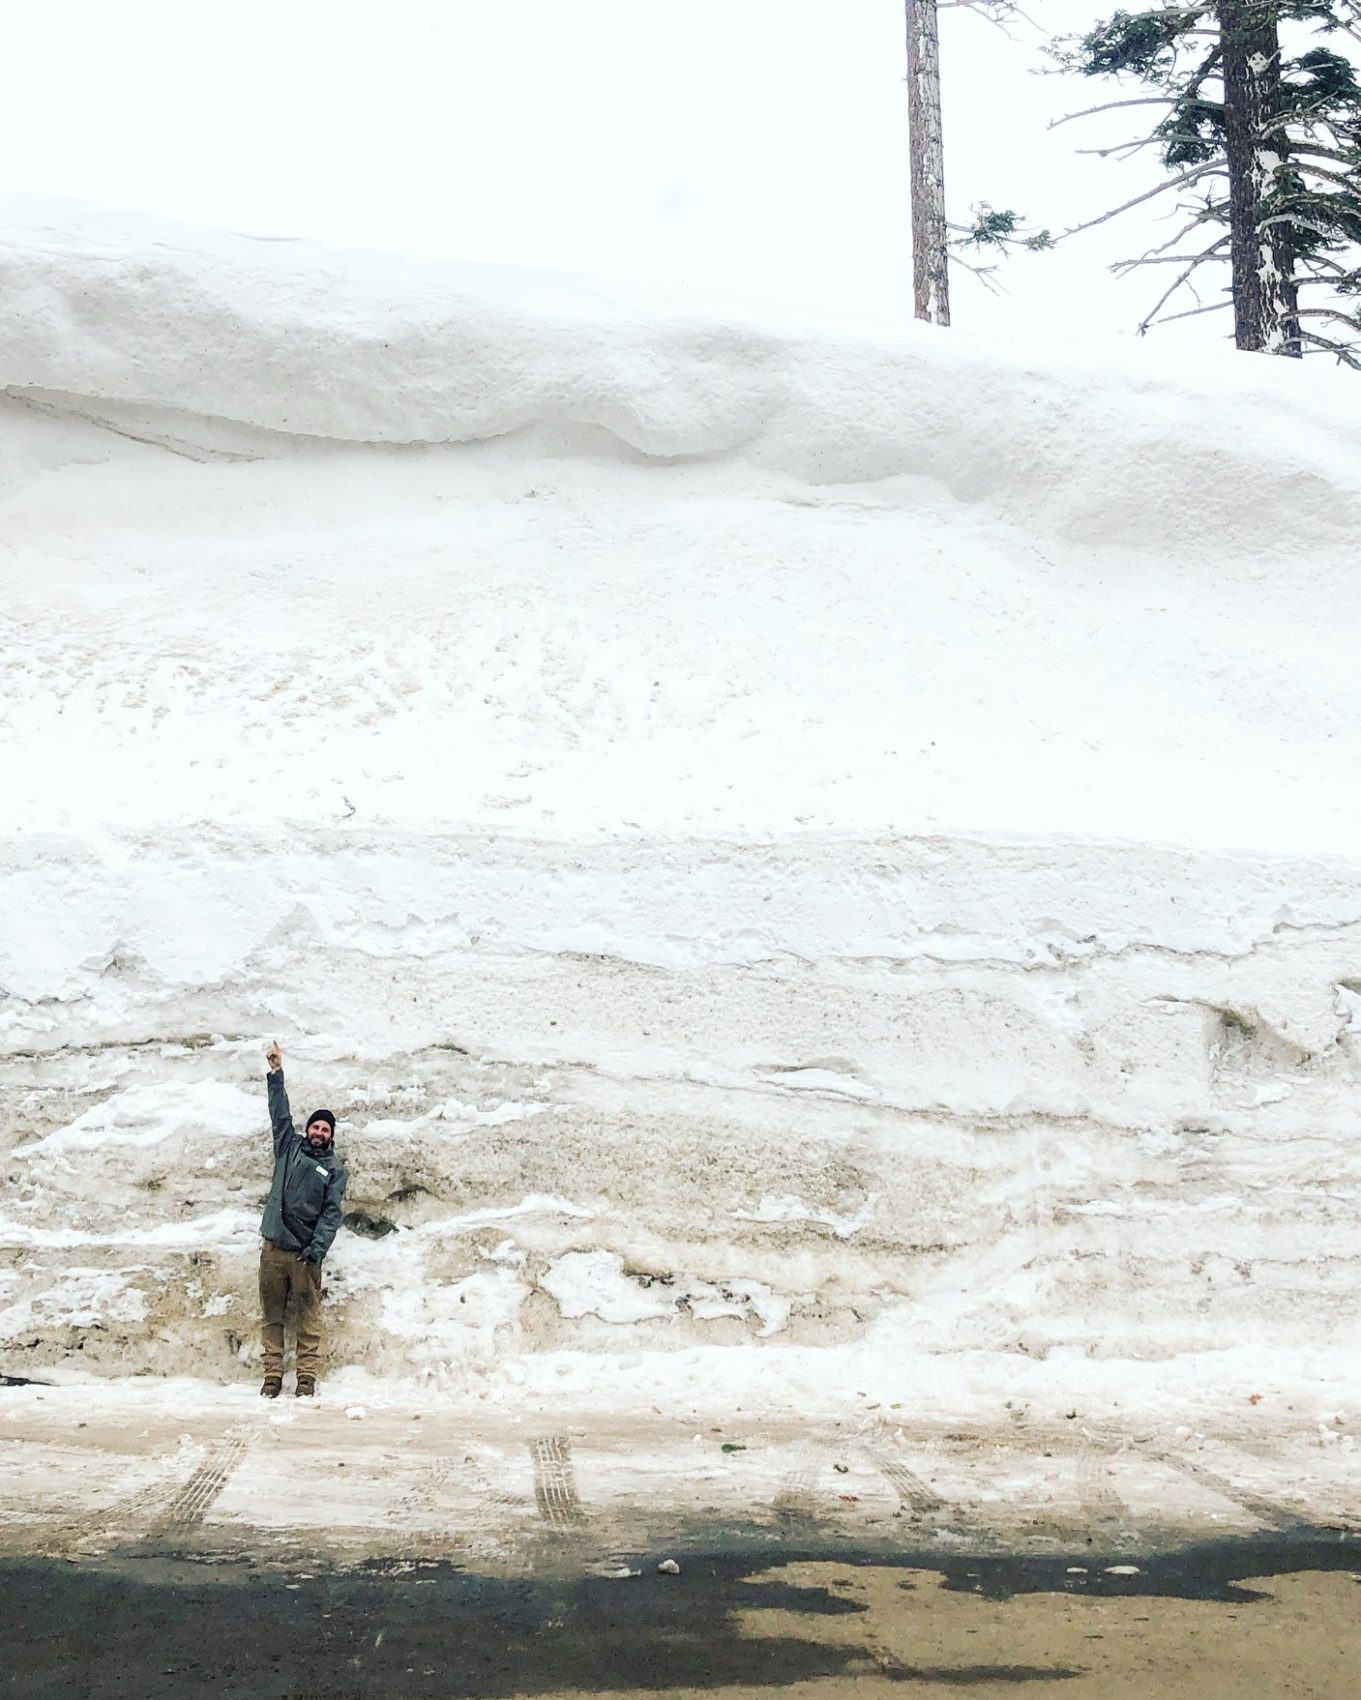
(769, 836)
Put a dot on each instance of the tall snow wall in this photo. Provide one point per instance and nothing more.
(766, 833)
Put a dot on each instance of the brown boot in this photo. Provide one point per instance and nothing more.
(271, 1387)
(307, 1387)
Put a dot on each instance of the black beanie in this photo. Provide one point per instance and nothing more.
(322, 1116)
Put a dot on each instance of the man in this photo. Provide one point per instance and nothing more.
(301, 1216)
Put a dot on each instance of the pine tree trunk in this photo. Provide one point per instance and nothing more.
(1263, 284)
(926, 145)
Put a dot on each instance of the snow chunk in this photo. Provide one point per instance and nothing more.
(223, 1230)
(469, 1115)
(84, 1298)
(790, 1208)
(535, 1204)
(497, 1116)
(142, 1116)
(595, 1283)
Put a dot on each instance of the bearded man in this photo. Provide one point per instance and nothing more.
(301, 1216)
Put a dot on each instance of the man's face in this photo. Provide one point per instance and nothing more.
(318, 1133)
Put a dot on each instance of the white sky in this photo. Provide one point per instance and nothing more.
(755, 146)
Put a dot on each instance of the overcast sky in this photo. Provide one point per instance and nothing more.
(752, 146)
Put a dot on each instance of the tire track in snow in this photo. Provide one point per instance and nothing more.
(422, 1496)
(1099, 1501)
(795, 1505)
(913, 1493)
(195, 1499)
(129, 1516)
(432, 1486)
(555, 1482)
(1264, 1510)
(424, 1492)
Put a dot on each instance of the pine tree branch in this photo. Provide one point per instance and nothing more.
(1195, 11)
(1134, 147)
(1327, 264)
(1158, 256)
(982, 273)
(1351, 320)
(1198, 261)
(1297, 221)
(1204, 216)
(1122, 266)
(1355, 10)
(996, 12)
(1352, 29)
(1191, 313)
(1349, 183)
(1344, 352)
(1111, 106)
(1312, 150)
(1213, 168)
(1305, 115)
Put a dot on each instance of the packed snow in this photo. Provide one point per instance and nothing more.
(793, 849)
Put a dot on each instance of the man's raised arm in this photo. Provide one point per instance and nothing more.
(280, 1118)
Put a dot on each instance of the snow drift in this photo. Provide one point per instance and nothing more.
(769, 834)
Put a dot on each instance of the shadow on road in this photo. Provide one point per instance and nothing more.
(164, 1626)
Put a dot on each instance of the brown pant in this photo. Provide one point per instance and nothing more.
(283, 1273)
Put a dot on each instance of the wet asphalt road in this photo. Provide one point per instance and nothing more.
(1260, 1618)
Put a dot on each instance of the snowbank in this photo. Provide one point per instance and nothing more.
(771, 836)
(106, 314)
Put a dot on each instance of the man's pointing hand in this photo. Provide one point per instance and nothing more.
(274, 1056)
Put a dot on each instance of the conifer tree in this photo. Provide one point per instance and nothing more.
(934, 238)
(1260, 139)
(926, 150)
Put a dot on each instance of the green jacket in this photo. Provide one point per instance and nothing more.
(302, 1211)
